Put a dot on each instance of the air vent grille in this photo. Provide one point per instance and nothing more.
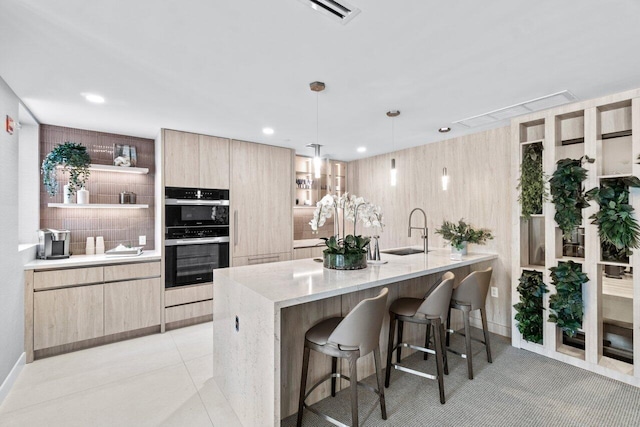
(526, 107)
(339, 11)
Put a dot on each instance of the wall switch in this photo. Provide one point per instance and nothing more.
(142, 240)
(494, 292)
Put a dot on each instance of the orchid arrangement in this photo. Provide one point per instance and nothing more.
(354, 209)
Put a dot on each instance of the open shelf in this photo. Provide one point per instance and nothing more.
(96, 206)
(620, 175)
(537, 141)
(539, 268)
(117, 169)
(615, 263)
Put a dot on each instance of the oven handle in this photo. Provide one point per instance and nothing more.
(193, 202)
(196, 241)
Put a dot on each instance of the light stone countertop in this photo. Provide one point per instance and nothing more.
(90, 260)
(307, 243)
(290, 283)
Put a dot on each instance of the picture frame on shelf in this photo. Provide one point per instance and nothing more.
(124, 155)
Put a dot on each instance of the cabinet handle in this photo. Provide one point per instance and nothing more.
(235, 227)
(261, 258)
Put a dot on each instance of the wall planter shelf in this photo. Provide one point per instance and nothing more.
(96, 206)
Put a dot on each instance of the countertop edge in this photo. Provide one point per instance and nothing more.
(90, 260)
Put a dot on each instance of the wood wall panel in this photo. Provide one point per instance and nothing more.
(479, 191)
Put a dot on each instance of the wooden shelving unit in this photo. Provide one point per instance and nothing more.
(309, 189)
(608, 130)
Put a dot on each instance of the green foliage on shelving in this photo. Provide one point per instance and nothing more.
(531, 184)
(74, 159)
(566, 305)
(530, 308)
(567, 193)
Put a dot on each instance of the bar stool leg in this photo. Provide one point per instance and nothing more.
(444, 349)
(399, 352)
(448, 326)
(485, 329)
(437, 343)
(376, 359)
(426, 340)
(467, 339)
(334, 369)
(303, 383)
(353, 374)
(392, 329)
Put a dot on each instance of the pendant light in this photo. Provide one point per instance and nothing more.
(445, 179)
(394, 172)
(317, 87)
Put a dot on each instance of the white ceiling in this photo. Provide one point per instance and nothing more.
(230, 68)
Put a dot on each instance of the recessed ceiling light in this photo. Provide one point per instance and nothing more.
(92, 97)
(362, 149)
(444, 129)
(267, 131)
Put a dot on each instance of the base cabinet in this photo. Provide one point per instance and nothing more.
(131, 305)
(261, 259)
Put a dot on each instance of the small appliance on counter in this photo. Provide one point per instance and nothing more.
(53, 244)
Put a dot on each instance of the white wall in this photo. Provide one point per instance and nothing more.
(12, 277)
(29, 183)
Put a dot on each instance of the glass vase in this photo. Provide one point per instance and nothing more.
(352, 261)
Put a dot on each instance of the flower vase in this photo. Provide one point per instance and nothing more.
(350, 261)
(82, 196)
(67, 196)
(456, 254)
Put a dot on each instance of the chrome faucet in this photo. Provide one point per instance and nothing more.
(425, 230)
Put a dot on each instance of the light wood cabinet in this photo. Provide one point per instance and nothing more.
(67, 277)
(114, 273)
(63, 316)
(312, 252)
(131, 305)
(188, 294)
(261, 259)
(197, 161)
(261, 193)
(188, 311)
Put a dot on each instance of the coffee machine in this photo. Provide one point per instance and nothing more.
(53, 244)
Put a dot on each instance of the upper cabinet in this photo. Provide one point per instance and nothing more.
(197, 161)
(261, 202)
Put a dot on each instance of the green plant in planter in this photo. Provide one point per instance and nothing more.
(531, 184)
(530, 308)
(458, 234)
(350, 244)
(567, 193)
(566, 304)
(617, 226)
(74, 159)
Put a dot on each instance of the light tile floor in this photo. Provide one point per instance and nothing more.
(157, 380)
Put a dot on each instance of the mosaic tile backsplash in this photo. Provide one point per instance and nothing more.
(115, 225)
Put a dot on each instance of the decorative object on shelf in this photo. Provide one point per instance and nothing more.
(394, 172)
(83, 196)
(617, 226)
(90, 246)
(567, 193)
(458, 235)
(533, 191)
(348, 252)
(127, 198)
(530, 308)
(566, 305)
(67, 196)
(124, 155)
(99, 245)
(72, 158)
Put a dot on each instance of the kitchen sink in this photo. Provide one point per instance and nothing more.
(403, 251)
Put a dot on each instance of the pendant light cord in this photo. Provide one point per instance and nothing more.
(317, 119)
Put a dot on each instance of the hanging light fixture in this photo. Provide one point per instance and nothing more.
(445, 179)
(317, 160)
(394, 172)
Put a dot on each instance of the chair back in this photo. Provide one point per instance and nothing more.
(437, 302)
(361, 327)
(473, 289)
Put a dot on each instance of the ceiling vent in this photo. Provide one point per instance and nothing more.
(341, 11)
(537, 104)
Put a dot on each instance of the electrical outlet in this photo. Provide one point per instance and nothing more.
(494, 292)
(142, 240)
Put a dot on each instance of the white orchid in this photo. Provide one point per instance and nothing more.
(368, 214)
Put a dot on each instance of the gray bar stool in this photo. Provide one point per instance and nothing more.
(432, 310)
(471, 295)
(351, 337)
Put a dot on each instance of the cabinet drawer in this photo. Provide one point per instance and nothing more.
(188, 311)
(141, 270)
(261, 259)
(63, 316)
(69, 277)
(131, 305)
(188, 294)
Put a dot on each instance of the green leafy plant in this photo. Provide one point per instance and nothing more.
(74, 159)
(457, 234)
(617, 226)
(531, 184)
(567, 193)
(349, 245)
(530, 308)
(566, 305)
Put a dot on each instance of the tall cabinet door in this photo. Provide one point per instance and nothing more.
(181, 159)
(214, 162)
(261, 199)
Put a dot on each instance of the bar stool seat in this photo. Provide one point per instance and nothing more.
(350, 337)
(406, 306)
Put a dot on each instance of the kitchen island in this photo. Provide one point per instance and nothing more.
(262, 312)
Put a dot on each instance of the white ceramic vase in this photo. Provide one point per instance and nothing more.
(83, 196)
(68, 197)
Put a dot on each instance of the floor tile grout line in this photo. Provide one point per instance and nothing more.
(198, 391)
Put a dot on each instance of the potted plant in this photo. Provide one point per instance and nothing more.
(460, 234)
(532, 181)
(567, 193)
(346, 251)
(73, 158)
(566, 305)
(530, 308)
